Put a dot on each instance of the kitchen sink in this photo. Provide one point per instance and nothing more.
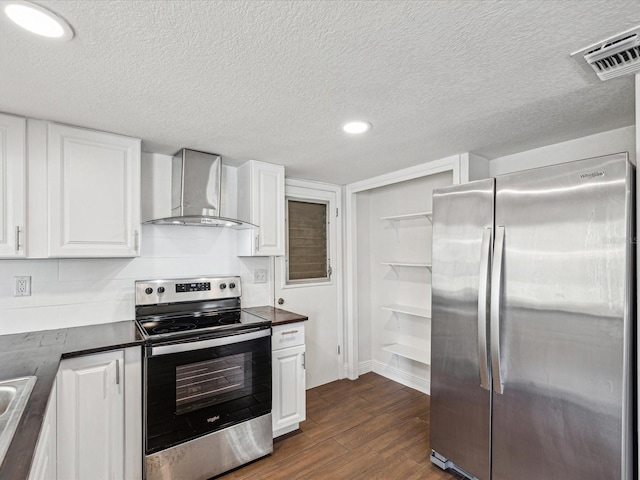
(7, 394)
(14, 394)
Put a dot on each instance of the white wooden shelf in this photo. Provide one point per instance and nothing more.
(409, 310)
(406, 264)
(410, 216)
(411, 353)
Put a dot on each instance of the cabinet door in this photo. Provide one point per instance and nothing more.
(261, 202)
(289, 401)
(268, 208)
(94, 193)
(12, 186)
(43, 466)
(91, 417)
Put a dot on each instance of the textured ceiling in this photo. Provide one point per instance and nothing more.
(274, 80)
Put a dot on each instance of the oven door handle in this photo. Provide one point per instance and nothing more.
(156, 351)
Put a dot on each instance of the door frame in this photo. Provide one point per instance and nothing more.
(336, 263)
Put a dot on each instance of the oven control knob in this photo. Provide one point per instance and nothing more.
(223, 286)
(160, 289)
(148, 290)
(232, 285)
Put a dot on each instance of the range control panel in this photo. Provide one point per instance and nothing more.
(193, 287)
(151, 292)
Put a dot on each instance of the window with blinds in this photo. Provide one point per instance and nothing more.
(307, 225)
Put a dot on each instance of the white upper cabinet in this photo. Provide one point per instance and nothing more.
(12, 186)
(261, 202)
(93, 193)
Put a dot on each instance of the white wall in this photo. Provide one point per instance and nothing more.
(72, 292)
(613, 141)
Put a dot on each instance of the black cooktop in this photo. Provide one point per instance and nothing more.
(194, 321)
(196, 324)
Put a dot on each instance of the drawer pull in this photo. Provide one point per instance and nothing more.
(289, 332)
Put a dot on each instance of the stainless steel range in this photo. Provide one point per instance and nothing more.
(207, 373)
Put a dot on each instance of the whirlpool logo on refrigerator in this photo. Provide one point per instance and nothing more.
(591, 175)
(213, 419)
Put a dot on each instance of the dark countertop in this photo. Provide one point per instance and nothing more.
(39, 354)
(277, 316)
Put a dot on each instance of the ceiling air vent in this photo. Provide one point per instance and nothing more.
(612, 57)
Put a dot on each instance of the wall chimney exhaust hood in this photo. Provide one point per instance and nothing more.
(196, 185)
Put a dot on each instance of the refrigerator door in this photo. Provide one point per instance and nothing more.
(460, 406)
(564, 322)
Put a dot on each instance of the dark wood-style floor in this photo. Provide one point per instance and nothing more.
(370, 428)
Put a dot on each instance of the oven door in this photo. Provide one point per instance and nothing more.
(197, 387)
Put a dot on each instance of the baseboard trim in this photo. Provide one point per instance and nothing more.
(418, 383)
(365, 367)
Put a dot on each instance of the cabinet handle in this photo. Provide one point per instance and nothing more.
(289, 332)
(117, 372)
(136, 240)
(304, 360)
(257, 242)
(17, 238)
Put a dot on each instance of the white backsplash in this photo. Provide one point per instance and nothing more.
(73, 292)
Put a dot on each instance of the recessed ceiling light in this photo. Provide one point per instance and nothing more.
(38, 20)
(356, 127)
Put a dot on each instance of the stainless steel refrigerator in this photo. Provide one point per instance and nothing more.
(532, 342)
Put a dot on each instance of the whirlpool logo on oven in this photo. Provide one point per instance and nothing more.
(213, 419)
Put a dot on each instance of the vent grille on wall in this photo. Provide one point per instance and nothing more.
(616, 56)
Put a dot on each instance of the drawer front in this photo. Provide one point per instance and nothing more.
(289, 335)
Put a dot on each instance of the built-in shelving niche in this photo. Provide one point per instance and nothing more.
(394, 226)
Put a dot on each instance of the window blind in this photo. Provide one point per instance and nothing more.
(307, 241)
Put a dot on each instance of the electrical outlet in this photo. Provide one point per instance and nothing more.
(260, 276)
(21, 286)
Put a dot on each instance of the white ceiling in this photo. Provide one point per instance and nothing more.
(274, 80)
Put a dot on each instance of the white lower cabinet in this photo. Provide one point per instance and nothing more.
(44, 463)
(99, 424)
(288, 360)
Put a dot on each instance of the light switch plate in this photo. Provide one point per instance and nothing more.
(21, 286)
(260, 276)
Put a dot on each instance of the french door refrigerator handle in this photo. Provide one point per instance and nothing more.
(496, 282)
(485, 261)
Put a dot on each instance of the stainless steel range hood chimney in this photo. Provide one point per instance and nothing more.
(196, 185)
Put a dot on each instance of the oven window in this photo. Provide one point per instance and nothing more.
(201, 384)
